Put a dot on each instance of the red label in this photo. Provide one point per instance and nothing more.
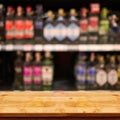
(29, 29)
(9, 25)
(19, 29)
(83, 25)
(93, 22)
(95, 8)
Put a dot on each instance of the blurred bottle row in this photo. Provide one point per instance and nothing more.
(95, 25)
(96, 72)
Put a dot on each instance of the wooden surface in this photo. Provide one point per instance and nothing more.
(59, 102)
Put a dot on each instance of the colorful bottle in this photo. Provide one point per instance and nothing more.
(83, 26)
(37, 72)
(91, 73)
(38, 24)
(18, 68)
(28, 72)
(73, 29)
(2, 30)
(118, 72)
(103, 27)
(60, 27)
(114, 29)
(93, 26)
(19, 24)
(101, 75)
(9, 25)
(80, 72)
(112, 74)
(29, 25)
(49, 28)
(47, 71)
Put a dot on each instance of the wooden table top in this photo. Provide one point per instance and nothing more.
(55, 102)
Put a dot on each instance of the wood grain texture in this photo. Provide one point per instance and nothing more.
(59, 102)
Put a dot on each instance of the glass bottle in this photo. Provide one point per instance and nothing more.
(91, 73)
(29, 25)
(93, 26)
(83, 26)
(47, 71)
(9, 25)
(103, 27)
(37, 72)
(60, 27)
(38, 25)
(18, 68)
(28, 71)
(73, 29)
(80, 72)
(118, 72)
(19, 24)
(101, 75)
(49, 28)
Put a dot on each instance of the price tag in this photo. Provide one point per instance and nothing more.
(9, 47)
(18, 47)
(117, 47)
(1, 47)
(60, 47)
(83, 47)
(48, 47)
(108, 47)
(27, 47)
(38, 47)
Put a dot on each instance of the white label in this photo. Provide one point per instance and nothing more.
(112, 77)
(101, 77)
(47, 74)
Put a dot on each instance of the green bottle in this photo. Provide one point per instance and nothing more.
(103, 27)
(47, 71)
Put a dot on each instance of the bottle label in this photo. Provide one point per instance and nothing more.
(73, 31)
(18, 69)
(104, 27)
(112, 77)
(38, 24)
(37, 71)
(19, 29)
(95, 7)
(101, 77)
(27, 75)
(83, 26)
(60, 32)
(49, 32)
(93, 24)
(91, 75)
(47, 75)
(29, 29)
(81, 74)
(9, 27)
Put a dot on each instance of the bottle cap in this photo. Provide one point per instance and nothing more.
(61, 12)
(10, 9)
(1, 6)
(50, 14)
(104, 12)
(73, 12)
(94, 7)
(29, 9)
(92, 56)
(39, 9)
(83, 11)
(19, 9)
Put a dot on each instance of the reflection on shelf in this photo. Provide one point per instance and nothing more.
(59, 47)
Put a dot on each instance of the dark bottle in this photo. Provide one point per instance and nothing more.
(91, 73)
(112, 74)
(101, 75)
(80, 72)
(9, 25)
(28, 72)
(93, 26)
(2, 30)
(37, 72)
(118, 72)
(103, 27)
(47, 71)
(29, 25)
(19, 24)
(83, 26)
(114, 30)
(18, 68)
(49, 28)
(73, 29)
(38, 25)
(61, 27)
